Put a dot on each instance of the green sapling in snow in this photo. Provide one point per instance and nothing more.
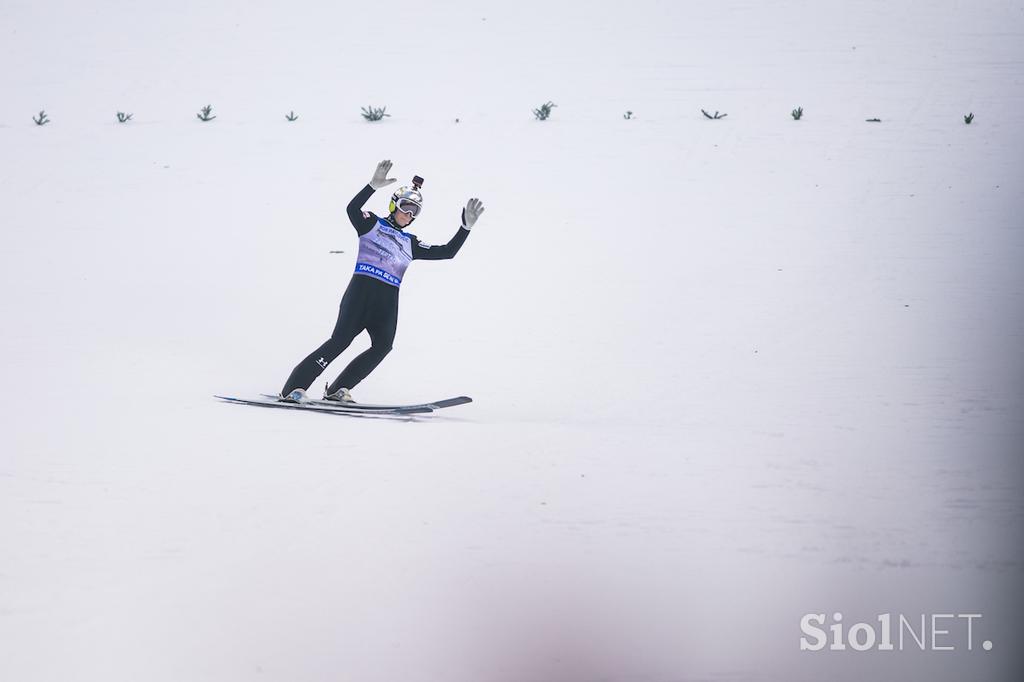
(374, 114)
(542, 112)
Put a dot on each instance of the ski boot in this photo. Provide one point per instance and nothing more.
(340, 396)
(298, 396)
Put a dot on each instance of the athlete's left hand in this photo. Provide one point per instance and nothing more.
(474, 207)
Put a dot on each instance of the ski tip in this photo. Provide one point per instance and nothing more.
(452, 402)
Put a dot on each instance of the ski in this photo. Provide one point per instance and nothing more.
(368, 407)
(328, 408)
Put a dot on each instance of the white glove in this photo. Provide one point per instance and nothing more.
(380, 176)
(474, 207)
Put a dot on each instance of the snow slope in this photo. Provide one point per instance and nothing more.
(726, 373)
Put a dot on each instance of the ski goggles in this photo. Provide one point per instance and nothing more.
(408, 206)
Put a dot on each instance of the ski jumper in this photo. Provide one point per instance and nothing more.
(371, 299)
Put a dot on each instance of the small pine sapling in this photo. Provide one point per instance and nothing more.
(544, 111)
(374, 114)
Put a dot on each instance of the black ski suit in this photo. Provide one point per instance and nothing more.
(371, 299)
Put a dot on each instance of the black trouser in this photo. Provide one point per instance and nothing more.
(367, 304)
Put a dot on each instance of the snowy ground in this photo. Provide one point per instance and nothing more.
(726, 373)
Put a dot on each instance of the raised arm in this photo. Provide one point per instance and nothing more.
(362, 220)
(421, 251)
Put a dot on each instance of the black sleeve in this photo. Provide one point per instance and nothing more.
(362, 220)
(421, 251)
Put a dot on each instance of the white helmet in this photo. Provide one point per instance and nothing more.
(408, 200)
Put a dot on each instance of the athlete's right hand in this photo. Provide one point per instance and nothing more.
(380, 176)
